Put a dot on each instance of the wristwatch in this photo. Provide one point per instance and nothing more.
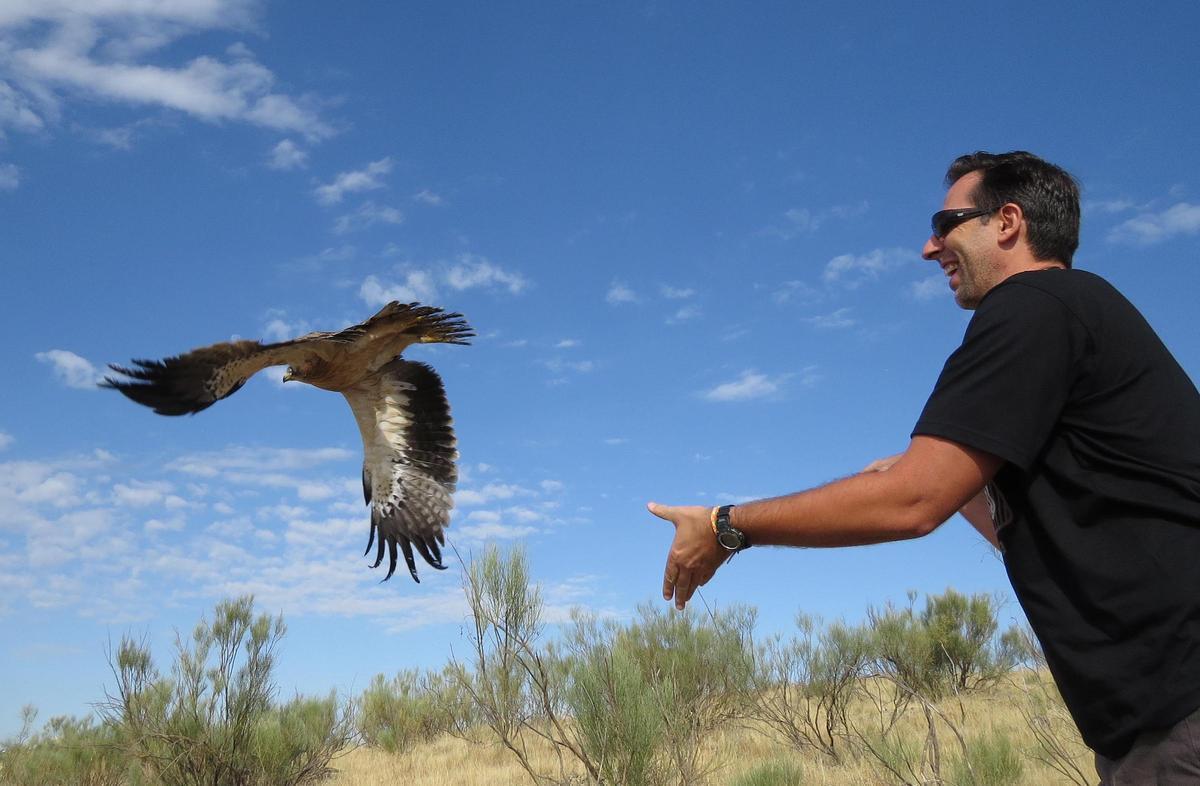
(730, 537)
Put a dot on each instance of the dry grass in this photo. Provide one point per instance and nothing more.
(447, 761)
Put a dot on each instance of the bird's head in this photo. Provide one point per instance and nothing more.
(290, 374)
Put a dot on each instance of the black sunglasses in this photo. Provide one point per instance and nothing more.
(945, 220)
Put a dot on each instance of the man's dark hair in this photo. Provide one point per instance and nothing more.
(1048, 195)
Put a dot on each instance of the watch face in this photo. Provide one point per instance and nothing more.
(730, 539)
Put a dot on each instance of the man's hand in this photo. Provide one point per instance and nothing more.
(695, 554)
(883, 464)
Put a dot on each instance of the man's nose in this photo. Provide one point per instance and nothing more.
(933, 247)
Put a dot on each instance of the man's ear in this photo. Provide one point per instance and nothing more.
(1010, 216)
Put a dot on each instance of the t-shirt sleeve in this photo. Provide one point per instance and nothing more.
(1004, 388)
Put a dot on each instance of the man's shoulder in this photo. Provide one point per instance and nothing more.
(1054, 289)
(1061, 282)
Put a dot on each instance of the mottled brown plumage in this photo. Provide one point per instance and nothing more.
(409, 471)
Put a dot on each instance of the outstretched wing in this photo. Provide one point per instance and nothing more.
(188, 383)
(409, 451)
(424, 324)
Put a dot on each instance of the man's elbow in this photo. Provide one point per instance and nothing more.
(921, 517)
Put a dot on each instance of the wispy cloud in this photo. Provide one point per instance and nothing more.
(417, 285)
(472, 271)
(6, 439)
(751, 385)
(684, 314)
(72, 370)
(851, 271)
(676, 293)
(799, 221)
(1182, 218)
(113, 52)
(10, 177)
(798, 291)
(928, 288)
(427, 197)
(838, 320)
(368, 178)
(287, 155)
(367, 215)
(618, 293)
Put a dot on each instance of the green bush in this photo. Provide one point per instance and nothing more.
(411, 708)
(991, 760)
(214, 721)
(67, 752)
(781, 772)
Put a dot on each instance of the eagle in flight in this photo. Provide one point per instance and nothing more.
(409, 453)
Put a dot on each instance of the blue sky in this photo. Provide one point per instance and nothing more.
(687, 235)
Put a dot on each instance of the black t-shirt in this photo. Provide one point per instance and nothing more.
(1097, 505)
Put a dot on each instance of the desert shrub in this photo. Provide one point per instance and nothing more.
(515, 685)
(1056, 737)
(613, 707)
(412, 707)
(781, 772)
(990, 760)
(214, 720)
(920, 660)
(66, 752)
(802, 686)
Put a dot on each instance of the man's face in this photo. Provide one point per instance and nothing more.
(967, 252)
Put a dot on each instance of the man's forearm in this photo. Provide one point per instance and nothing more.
(979, 514)
(854, 511)
(917, 492)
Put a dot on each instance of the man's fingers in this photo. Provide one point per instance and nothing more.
(669, 577)
(683, 589)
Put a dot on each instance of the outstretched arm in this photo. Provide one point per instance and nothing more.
(923, 488)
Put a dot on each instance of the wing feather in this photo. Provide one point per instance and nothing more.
(409, 458)
(191, 382)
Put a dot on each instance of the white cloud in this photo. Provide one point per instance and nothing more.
(488, 494)
(804, 221)
(1182, 218)
(287, 155)
(427, 197)
(366, 179)
(141, 494)
(1108, 206)
(476, 271)
(101, 51)
(10, 177)
(750, 385)
(5, 440)
(560, 366)
(685, 314)
(928, 288)
(212, 464)
(851, 271)
(417, 285)
(796, 290)
(567, 343)
(837, 320)
(676, 293)
(281, 329)
(471, 271)
(71, 369)
(366, 216)
(619, 293)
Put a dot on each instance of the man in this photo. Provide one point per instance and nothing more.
(1069, 437)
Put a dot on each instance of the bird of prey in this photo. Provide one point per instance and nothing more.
(409, 453)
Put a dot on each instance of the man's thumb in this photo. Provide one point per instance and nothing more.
(662, 511)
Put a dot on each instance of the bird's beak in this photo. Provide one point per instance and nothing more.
(287, 376)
